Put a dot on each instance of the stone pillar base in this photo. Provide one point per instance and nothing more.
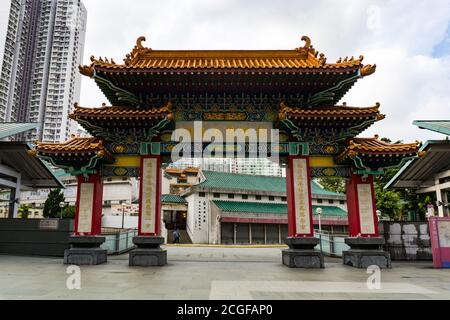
(301, 253)
(365, 252)
(148, 252)
(85, 250)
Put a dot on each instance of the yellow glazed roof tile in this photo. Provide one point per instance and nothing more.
(305, 57)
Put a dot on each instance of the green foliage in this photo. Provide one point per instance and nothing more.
(389, 202)
(69, 212)
(397, 202)
(335, 184)
(24, 211)
(51, 205)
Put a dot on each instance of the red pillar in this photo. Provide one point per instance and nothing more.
(150, 196)
(362, 218)
(298, 186)
(88, 218)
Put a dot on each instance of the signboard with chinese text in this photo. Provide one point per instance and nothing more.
(149, 194)
(440, 241)
(301, 196)
(365, 204)
(85, 208)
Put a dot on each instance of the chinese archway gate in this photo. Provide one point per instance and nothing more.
(296, 91)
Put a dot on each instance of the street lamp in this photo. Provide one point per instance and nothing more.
(123, 214)
(379, 214)
(319, 212)
(61, 205)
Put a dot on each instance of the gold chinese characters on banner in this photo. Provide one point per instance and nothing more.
(149, 182)
(85, 208)
(366, 214)
(301, 196)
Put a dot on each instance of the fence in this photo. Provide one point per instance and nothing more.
(118, 242)
(330, 244)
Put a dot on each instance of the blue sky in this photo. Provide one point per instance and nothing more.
(407, 39)
(443, 48)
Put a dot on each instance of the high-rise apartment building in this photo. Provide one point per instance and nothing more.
(257, 166)
(253, 166)
(39, 80)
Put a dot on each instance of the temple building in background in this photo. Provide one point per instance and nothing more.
(39, 79)
(226, 208)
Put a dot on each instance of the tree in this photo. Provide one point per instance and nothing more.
(389, 202)
(69, 212)
(335, 184)
(395, 203)
(51, 205)
(24, 211)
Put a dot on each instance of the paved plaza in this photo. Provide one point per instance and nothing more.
(217, 273)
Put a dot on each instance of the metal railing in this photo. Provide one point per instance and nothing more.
(331, 244)
(119, 242)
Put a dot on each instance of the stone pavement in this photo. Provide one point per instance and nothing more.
(217, 273)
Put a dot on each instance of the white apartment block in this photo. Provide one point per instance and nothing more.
(39, 79)
(256, 166)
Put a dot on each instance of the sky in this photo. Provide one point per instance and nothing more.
(408, 40)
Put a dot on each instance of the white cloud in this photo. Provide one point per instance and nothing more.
(399, 36)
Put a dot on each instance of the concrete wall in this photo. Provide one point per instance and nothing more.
(407, 240)
(42, 237)
(130, 222)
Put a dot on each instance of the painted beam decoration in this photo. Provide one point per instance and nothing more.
(150, 196)
(302, 209)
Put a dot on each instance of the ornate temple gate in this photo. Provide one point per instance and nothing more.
(294, 91)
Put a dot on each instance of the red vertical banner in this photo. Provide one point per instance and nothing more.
(362, 217)
(150, 196)
(440, 241)
(298, 185)
(88, 217)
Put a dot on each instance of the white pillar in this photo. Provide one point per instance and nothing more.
(439, 197)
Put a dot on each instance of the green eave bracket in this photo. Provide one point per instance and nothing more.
(88, 169)
(370, 172)
(150, 148)
(298, 149)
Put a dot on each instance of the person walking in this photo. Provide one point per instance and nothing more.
(176, 236)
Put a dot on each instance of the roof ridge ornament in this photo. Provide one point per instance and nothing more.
(307, 48)
(368, 69)
(138, 48)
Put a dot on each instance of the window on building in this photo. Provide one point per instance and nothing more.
(201, 194)
(216, 195)
(230, 196)
(258, 197)
(330, 201)
(341, 202)
(271, 198)
(319, 201)
(244, 196)
(283, 199)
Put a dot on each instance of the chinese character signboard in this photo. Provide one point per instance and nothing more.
(149, 196)
(302, 196)
(365, 205)
(85, 208)
(440, 241)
